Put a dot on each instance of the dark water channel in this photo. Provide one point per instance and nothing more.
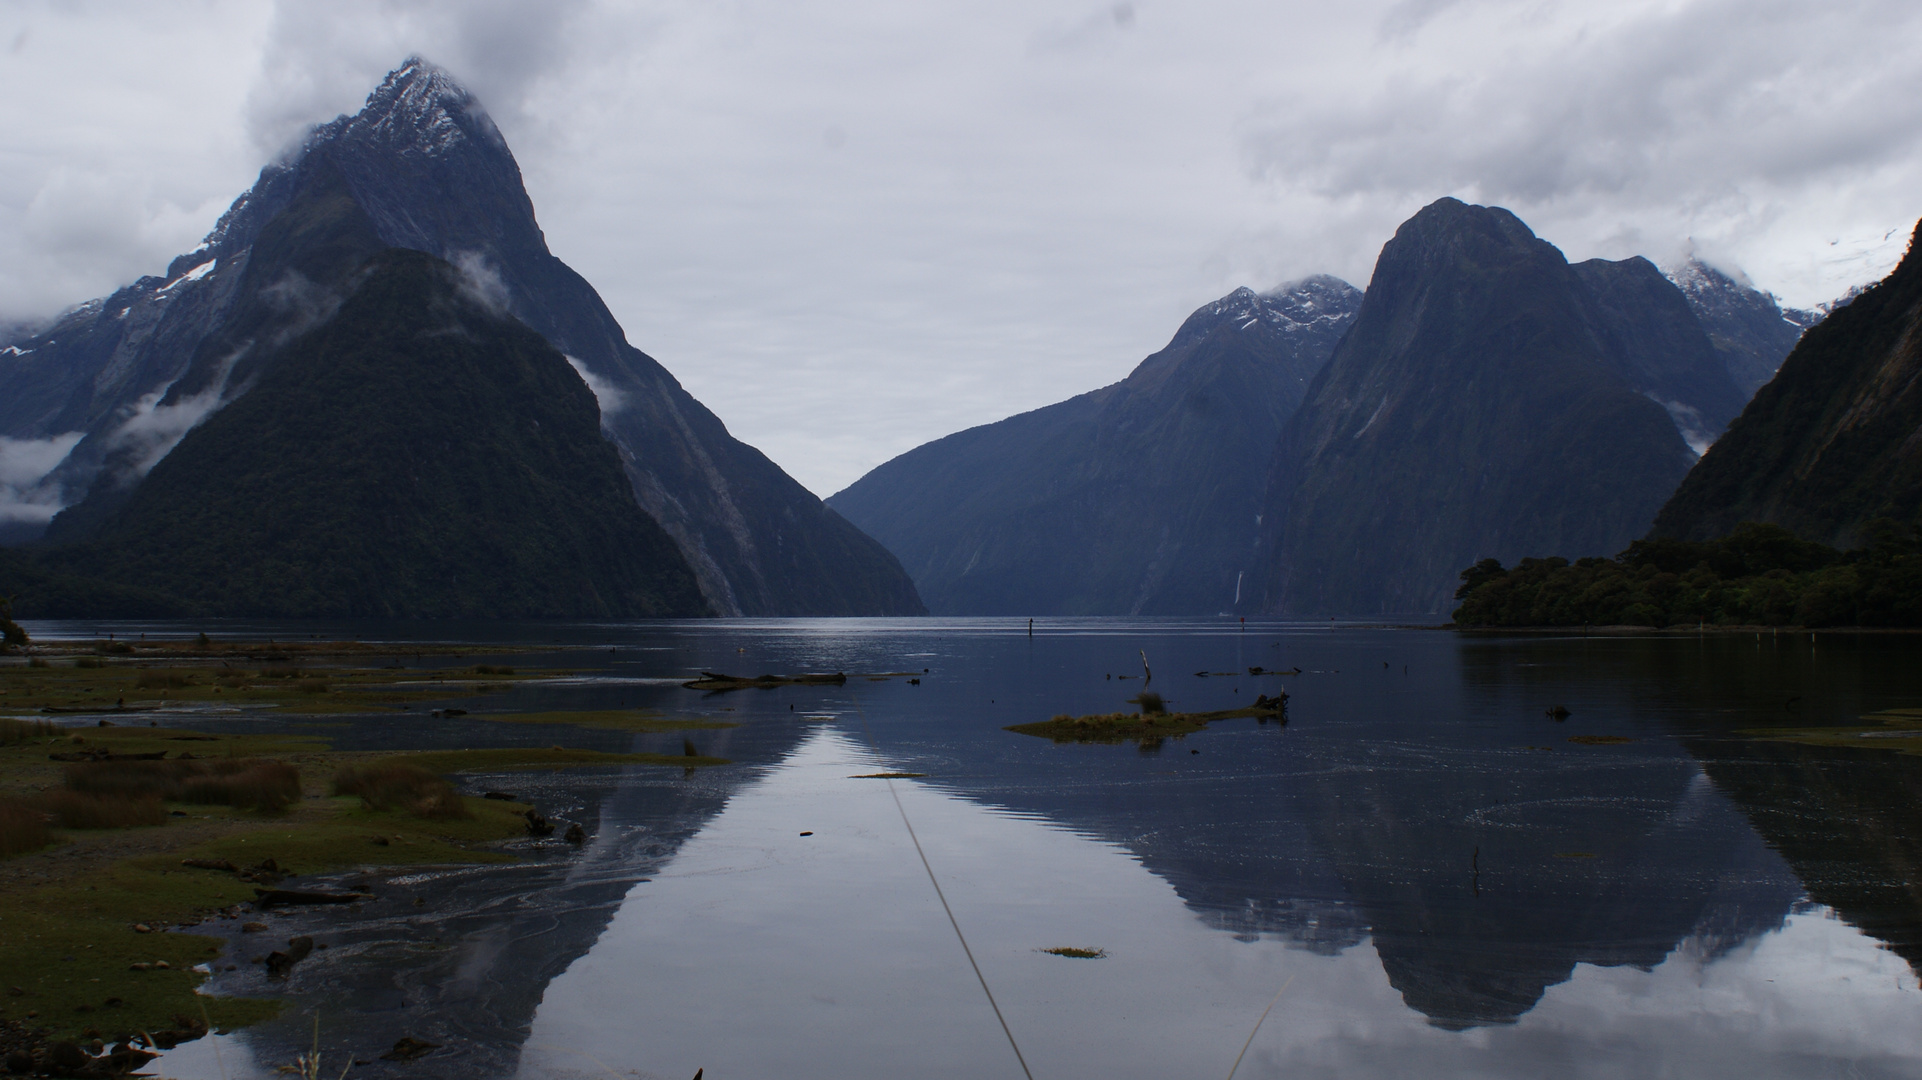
(1418, 875)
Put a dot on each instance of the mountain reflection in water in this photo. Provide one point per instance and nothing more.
(1442, 882)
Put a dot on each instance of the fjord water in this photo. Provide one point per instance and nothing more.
(1419, 874)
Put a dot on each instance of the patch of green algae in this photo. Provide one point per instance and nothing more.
(1898, 730)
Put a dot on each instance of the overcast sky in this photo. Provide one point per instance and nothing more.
(850, 227)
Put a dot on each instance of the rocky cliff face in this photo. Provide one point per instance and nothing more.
(1834, 440)
(1490, 400)
(1750, 331)
(430, 172)
(1138, 498)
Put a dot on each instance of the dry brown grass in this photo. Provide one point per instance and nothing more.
(396, 785)
(266, 786)
(23, 828)
(246, 783)
(91, 810)
(19, 731)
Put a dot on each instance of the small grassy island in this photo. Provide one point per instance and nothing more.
(1149, 726)
(1758, 575)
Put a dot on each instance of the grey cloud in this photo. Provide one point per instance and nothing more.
(1409, 16)
(154, 426)
(481, 282)
(304, 303)
(321, 60)
(1668, 104)
(25, 494)
(609, 396)
(1094, 28)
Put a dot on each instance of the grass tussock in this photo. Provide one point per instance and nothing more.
(246, 783)
(1150, 702)
(164, 679)
(267, 786)
(397, 785)
(86, 662)
(19, 731)
(91, 810)
(23, 828)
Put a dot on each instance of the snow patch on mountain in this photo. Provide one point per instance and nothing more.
(1311, 304)
(189, 277)
(1722, 290)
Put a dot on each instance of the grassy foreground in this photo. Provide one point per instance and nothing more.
(82, 910)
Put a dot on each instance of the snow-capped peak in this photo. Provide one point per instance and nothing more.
(419, 107)
(1312, 300)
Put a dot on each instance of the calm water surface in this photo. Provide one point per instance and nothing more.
(1418, 875)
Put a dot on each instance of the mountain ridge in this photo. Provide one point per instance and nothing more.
(1474, 407)
(1134, 498)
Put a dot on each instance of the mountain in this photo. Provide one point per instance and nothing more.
(1750, 331)
(132, 373)
(419, 455)
(1653, 339)
(1489, 400)
(1834, 440)
(1137, 498)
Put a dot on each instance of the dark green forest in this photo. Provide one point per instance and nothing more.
(1758, 575)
